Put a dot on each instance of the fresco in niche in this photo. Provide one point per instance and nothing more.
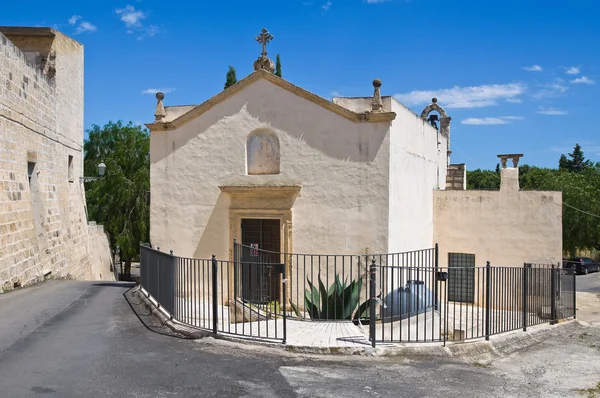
(263, 153)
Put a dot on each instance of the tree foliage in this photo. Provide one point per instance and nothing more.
(230, 78)
(579, 181)
(278, 66)
(483, 179)
(577, 162)
(118, 200)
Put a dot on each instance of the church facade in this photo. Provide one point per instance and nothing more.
(272, 165)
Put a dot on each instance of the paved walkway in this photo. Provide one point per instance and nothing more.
(460, 322)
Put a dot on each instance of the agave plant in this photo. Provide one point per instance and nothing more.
(340, 301)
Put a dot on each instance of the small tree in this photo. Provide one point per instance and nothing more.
(278, 66)
(118, 200)
(577, 162)
(230, 78)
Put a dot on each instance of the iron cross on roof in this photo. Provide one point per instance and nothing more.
(264, 38)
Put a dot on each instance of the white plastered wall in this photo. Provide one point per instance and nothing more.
(417, 168)
(341, 166)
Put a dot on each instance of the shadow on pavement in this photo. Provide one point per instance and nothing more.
(145, 316)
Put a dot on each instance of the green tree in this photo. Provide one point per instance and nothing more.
(230, 78)
(118, 200)
(580, 188)
(577, 162)
(483, 179)
(278, 66)
(563, 163)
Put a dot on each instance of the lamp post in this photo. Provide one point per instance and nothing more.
(101, 171)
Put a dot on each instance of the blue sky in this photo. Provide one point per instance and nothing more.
(517, 76)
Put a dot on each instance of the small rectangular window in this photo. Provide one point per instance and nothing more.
(461, 277)
(70, 168)
(30, 171)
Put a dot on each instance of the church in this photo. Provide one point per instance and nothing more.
(272, 165)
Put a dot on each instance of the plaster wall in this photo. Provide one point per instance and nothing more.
(506, 227)
(417, 168)
(342, 168)
(362, 104)
(41, 121)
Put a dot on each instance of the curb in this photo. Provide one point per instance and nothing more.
(165, 320)
(498, 345)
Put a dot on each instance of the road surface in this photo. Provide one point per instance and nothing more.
(82, 339)
(588, 283)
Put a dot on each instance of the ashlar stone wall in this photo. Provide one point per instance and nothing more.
(43, 219)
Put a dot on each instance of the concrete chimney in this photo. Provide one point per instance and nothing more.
(510, 175)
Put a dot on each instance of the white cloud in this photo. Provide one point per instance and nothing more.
(551, 90)
(491, 120)
(131, 17)
(375, 1)
(150, 31)
(73, 20)
(551, 111)
(326, 6)
(465, 97)
(85, 26)
(583, 80)
(158, 90)
(573, 70)
(514, 100)
(533, 68)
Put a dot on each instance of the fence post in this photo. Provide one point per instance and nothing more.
(372, 301)
(435, 273)
(553, 295)
(172, 294)
(215, 308)
(235, 269)
(574, 294)
(157, 293)
(284, 286)
(488, 297)
(525, 295)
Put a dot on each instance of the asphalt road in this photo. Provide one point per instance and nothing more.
(588, 283)
(79, 339)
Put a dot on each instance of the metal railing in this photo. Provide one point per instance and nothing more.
(204, 293)
(443, 304)
(402, 297)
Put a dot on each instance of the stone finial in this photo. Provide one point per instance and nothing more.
(434, 100)
(514, 156)
(377, 105)
(160, 113)
(265, 64)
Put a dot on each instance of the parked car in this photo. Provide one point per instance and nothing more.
(582, 265)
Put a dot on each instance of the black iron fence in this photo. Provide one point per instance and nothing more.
(440, 304)
(394, 298)
(213, 294)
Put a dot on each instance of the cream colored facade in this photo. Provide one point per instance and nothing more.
(508, 227)
(349, 179)
(347, 176)
(43, 220)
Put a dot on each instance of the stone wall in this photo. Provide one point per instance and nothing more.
(101, 261)
(456, 179)
(507, 227)
(43, 217)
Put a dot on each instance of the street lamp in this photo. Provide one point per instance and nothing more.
(101, 171)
